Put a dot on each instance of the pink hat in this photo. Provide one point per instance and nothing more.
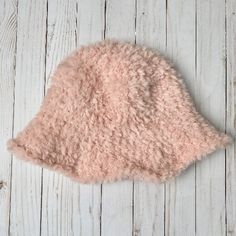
(117, 111)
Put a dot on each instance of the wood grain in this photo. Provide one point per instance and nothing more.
(210, 173)
(180, 193)
(29, 90)
(8, 14)
(231, 118)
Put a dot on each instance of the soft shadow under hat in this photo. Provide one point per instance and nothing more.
(117, 111)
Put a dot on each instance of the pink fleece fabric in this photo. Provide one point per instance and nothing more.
(117, 111)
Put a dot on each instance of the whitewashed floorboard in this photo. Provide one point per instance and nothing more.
(29, 87)
(231, 102)
(8, 14)
(149, 198)
(210, 173)
(180, 192)
(117, 198)
(90, 22)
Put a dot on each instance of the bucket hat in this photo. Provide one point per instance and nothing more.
(117, 111)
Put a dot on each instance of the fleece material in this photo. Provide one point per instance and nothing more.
(117, 111)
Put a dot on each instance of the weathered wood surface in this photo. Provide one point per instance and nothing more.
(26, 184)
(211, 82)
(230, 181)
(180, 193)
(8, 14)
(199, 36)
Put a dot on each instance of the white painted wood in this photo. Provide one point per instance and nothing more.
(149, 198)
(210, 173)
(120, 20)
(8, 26)
(60, 196)
(180, 193)
(29, 86)
(90, 22)
(151, 24)
(117, 198)
(230, 122)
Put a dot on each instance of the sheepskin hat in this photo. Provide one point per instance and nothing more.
(116, 111)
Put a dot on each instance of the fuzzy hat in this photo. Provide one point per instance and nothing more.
(117, 111)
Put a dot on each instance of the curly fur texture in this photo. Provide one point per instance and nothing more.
(117, 111)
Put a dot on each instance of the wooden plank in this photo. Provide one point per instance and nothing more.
(151, 24)
(90, 25)
(60, 199)
(180, 193)
(29, 89)
(117, 198)
(210, 173)
(149, 198)
(230, 122)
(8, 15)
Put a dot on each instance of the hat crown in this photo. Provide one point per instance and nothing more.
(122, 77)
